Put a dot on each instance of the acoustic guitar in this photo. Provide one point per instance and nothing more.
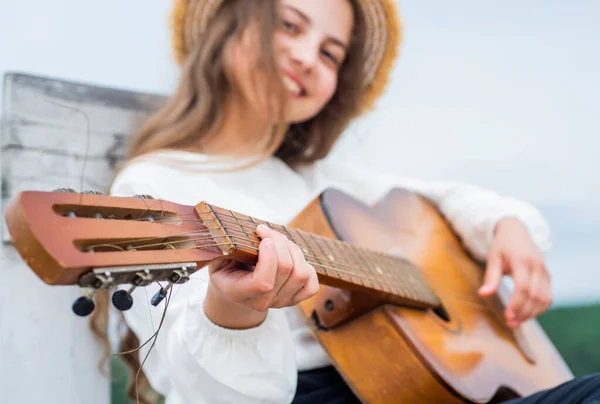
(398, 311)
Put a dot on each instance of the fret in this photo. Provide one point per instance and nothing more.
(352, 265)
(293, 238)
(308, 248)
(381, 269)
(411, 278)
(220, 228)
(389, 267)
(237, 222)
(401, 271)
(230, 223)
(300, 242)
(236, 231)
(330, 259)
(371, 276)
(290, 236)
(273, 226)
(254, 224)
(367, 257)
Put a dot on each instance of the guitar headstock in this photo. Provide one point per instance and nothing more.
(100, 242)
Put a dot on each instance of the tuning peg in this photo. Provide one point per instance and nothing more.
(83, 306)
(66, 190)
(91, 192)
(122, 300)
(143, 196)
(160, 295)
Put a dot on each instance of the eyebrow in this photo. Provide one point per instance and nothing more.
(335, 41)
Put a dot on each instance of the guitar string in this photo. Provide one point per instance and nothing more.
(242, 230)
(395, 281)
(394, 284)
(152, 339)
(247, 237)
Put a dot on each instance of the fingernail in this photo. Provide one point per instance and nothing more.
(261, 227)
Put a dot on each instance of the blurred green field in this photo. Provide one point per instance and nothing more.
(574, 330)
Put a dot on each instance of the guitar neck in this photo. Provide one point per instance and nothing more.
(337, 263)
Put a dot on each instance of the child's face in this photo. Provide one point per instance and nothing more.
(311, 44)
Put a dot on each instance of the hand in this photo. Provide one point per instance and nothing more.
(239, 298)
(513, 252)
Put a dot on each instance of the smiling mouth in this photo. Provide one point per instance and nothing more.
(293, 87)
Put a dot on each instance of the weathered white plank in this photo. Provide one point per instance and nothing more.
(47, 354)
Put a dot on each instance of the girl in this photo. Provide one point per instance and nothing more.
(266, 89)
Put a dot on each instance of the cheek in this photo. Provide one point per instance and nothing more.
(327, 86)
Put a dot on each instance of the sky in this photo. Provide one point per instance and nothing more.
(500, 94)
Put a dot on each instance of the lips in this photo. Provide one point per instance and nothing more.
(293, 86)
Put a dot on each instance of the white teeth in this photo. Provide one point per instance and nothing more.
(291, 85)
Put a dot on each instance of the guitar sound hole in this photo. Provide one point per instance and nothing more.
(442, 313)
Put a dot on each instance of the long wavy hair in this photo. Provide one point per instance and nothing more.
(196, 109)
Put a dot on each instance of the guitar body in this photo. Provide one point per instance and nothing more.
(391, 354)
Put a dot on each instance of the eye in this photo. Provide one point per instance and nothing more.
(289, 26)
(333, 58)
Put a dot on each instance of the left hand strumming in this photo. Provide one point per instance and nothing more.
(514, 253)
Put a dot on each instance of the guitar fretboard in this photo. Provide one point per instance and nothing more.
(332, 259)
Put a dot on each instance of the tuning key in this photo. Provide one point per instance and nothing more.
(65, 190)
(143, 196)
(83, 306)
(122, 299)
(91, 192)
(160, 295)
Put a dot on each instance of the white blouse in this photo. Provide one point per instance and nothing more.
(197, 361)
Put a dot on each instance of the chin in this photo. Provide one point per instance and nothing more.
(299, 115)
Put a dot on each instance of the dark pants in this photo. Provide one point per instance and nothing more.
(326, 386)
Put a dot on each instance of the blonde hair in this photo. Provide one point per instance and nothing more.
(195, 111)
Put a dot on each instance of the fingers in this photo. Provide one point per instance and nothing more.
(522, 279)
(310, 289)
(540, 293)
(281, 277)
(259, 282)
(302, 282)
(310, 284)
(493, 275)
(285, 263)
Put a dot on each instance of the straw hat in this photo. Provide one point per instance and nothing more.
(383, 35)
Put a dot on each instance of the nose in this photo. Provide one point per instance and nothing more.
(304, 53)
